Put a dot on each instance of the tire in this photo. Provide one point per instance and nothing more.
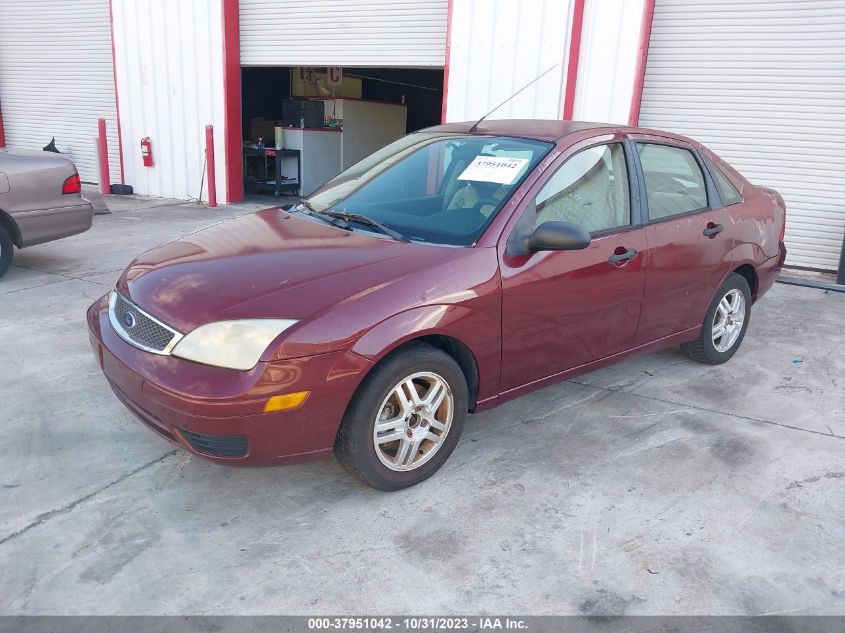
(6, 252)
(710, 348)
(392, 464)
(121, 190)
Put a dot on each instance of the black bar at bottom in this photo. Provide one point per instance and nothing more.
(422, 624)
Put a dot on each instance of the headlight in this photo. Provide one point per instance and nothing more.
(231, 344)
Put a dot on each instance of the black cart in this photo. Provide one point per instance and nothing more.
(259, 176)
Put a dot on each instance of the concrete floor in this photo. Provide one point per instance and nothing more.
(657, 486)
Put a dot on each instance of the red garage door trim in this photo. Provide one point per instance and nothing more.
(2, 134)
(642, 59)
(232, 102)
(116, 100)
(574, 57)
(446, 62)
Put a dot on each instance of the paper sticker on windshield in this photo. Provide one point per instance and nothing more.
(501, 170)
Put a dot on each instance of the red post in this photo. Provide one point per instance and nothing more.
(209, 159)
(103, 144)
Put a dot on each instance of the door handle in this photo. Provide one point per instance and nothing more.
(713, 230)
(618, 258)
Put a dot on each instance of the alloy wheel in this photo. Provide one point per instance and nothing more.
(728, 320)
(413, 421)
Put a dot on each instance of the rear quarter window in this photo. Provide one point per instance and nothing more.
(726, 189)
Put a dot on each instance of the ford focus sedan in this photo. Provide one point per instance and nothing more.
(451, 271)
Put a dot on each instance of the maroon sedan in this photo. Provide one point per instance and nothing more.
(449, 272)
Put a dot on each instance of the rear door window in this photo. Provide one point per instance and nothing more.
(673, 180)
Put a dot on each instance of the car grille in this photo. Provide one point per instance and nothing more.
(217, 445)
(139, 328)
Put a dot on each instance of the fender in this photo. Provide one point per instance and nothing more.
(747, 253)
(478, 331)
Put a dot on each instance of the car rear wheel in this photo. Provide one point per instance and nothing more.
(6, 253)
(405, 419)
(724, 324)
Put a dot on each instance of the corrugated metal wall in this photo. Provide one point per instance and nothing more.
(57, 79)
(498, 46)
(609, 41)
(409, 33)
(763, 84)
(169, 61)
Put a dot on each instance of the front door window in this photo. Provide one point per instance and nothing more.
(590, 189)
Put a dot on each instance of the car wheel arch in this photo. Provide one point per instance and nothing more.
(749, 272)
(8, 223)
(745, 257)
(372, 346)
(452, 346)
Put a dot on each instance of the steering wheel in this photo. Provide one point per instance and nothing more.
(469, 219)
(489, 201)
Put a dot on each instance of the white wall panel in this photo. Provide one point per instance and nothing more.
(169, 61)
(57, 79)
(607, 67)
(762, 83)
(497, 47)
(409, 33)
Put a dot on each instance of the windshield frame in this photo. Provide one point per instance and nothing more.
(541, 148)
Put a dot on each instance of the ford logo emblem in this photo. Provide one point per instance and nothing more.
(128, 320)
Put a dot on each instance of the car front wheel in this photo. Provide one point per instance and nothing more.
(405, 419)
(724, 324)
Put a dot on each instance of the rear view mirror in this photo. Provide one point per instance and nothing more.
(558, 236)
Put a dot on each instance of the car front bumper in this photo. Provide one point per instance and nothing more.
(218, 413)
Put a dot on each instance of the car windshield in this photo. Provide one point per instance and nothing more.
(432, 186)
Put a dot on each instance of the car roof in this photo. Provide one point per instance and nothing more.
(541, 129)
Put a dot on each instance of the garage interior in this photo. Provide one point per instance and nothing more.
(302, 126)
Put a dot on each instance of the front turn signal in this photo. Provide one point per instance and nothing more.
(286, 401)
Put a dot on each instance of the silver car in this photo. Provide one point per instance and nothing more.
(40, 200)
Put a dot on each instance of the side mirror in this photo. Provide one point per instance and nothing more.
(558, 236)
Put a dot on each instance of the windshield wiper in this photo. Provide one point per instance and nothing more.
(330, 216)
(304, 203)
(303, 206)
(363, 219)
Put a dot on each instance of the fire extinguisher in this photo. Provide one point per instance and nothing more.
(147, 151)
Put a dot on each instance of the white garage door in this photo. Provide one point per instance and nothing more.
(410, 33)
(762, 83)
(56, 78)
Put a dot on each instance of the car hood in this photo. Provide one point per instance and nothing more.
(268, 264)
